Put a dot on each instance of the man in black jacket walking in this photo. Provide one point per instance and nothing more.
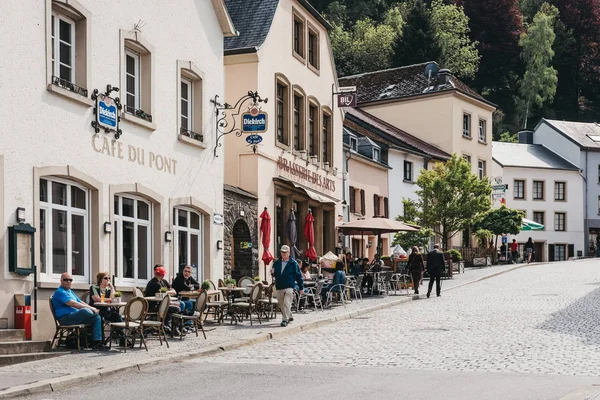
(435, 266)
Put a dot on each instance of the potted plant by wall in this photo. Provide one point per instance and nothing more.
(161, 293)
(205, 285)
(117, 297)
(457, 260)
(229, 282)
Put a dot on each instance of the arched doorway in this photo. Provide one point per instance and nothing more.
(242, 250)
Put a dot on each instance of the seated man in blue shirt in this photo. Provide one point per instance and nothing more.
(339, 278)
(70, 310)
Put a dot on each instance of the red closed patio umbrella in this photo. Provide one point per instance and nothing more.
(265, 231)
(309, 234)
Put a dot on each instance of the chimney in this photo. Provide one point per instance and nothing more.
(444, 76)
(525, 136)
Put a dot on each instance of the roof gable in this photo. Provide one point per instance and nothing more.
(224, 18)
(396, 83)
(583, 134)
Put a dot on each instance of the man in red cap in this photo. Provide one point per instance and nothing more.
(154, 286)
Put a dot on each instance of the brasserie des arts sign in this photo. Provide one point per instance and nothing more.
(305, 174)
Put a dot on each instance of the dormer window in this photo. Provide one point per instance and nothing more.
(376, 154)
(353, 144)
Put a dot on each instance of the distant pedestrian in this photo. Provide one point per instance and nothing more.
(287, 274)
(435, 266)
(514, 251)
(416, 267)
(529, 249)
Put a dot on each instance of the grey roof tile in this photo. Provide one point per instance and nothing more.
(528, 156)
(395, 83)
(253, 20)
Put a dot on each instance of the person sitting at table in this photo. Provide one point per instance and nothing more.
(353, 265)
(104, 286)
(154, 285)
(377, 264)
(185, 282)
(305, 270)
(70, 310)
(368, 278)
(339, 278)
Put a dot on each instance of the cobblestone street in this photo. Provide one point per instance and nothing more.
(539, 319)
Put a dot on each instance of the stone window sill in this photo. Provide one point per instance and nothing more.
(138, 121)
(191, 142)
(70, 95)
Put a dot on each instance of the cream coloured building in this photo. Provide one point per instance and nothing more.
(98, 202)
(443, 111)
(283, 53)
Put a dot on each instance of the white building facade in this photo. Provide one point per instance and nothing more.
(549, 190)
(579, 143)
(100, 201)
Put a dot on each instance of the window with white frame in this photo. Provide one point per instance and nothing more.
(408, 167)
(353, 144)
(467, 157)
(132, 80)
(559, 221)
(538, 190)
(63, 47)
(519, 189)
(481, 169)
(559, 191)
(186, 104)
(482, 131)
(467, 125)
(376, 154)
(133, 238)
(64, 229)
(188, 236)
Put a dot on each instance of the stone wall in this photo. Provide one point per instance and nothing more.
(239, 205)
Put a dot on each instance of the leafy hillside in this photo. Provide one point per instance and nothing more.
(533, 58)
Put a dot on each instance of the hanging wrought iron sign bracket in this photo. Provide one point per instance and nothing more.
(107, 111)
(226, 122)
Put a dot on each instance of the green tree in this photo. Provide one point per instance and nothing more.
(367, 46)
(508, 137)
(539, 83)
(409, 239)
(501, 220)
(451, 197)
(451, 32)
(417, 43)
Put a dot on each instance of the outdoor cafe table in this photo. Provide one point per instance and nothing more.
(100, 304)
(194, 294)
(158, 300)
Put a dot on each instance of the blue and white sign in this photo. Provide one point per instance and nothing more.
(254, 121)
(107, 113)
(253, 139)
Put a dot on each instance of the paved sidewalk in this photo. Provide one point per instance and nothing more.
(52, 374)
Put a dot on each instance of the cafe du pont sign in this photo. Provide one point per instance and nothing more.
(254, 121)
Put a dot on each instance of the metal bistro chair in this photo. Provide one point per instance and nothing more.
(252, 304)
(354, 286)
(137, 292)
(216, 306)
(314, 294)
(159, 324)
(133, 320)
(334, 291)
(196, 318)
(268, 305)
(247, 283)
(62, 329)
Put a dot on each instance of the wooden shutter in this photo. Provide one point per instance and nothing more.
(362, 202)
(550, 252)
(571, 251)
(352, 200)
(375, 205)
(386, 207)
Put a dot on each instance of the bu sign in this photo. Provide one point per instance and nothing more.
(254, 121)
(253, 139)
(107, 113)
(347, 99)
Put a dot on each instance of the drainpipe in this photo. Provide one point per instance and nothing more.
(347, 157)
(586, 237)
